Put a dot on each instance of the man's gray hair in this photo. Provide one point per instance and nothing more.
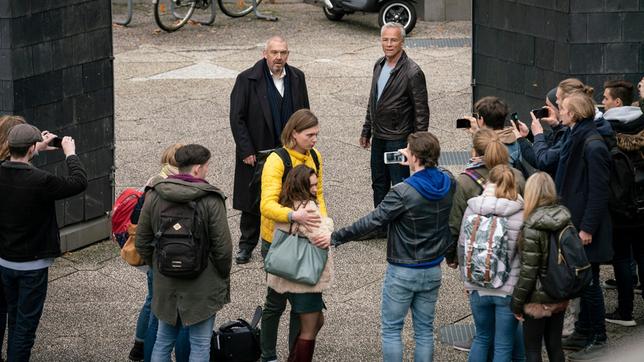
(393, 25)
(277, 38)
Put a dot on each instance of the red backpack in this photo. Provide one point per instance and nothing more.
(121, 212)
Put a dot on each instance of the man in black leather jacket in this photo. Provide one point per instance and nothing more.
(397, 107)
(416, 213)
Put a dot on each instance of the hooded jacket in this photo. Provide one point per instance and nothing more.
(512, 210)
(534, 250)
(416, 213)
(193, 300)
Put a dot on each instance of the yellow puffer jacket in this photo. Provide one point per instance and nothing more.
(272, 173)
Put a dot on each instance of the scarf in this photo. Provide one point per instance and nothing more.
(282, 110)
(187, 178)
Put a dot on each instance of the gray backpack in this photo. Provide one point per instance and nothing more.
(486, 260)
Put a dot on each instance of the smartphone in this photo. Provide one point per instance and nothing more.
(600, 107)
(514, 117)
(56, 142)
(463, 123)
(394, 157)
(540, 112)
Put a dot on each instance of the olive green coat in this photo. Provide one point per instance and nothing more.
(194, 300)
(534, 247)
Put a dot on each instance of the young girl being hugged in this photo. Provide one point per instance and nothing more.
(300, 192)
(543, 316)
(490, 303)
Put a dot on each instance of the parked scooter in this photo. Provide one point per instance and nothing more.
(399, 11)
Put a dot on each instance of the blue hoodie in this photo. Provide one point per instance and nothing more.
(431, 183)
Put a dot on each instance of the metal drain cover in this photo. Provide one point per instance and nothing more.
(438, 43)
(454, 158)
(456, 332)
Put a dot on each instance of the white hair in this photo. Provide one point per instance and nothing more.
(393, 25)
(277, 38)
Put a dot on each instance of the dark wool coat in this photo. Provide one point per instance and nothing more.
(252, 123)
(584, 189)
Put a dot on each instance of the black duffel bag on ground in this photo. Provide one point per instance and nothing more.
(237, 341)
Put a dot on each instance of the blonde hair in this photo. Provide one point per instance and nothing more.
(580, 106)
(506, 186)
(573, 85)
(300, 120)
(6, 123)
(540, 191)
(488, 145)
(167, 157)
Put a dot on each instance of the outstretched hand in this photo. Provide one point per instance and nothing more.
(322, 241)
(307, 218)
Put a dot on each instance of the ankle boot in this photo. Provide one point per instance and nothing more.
(302, 351)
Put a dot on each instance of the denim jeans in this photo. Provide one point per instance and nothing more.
(496, 327)
(628, 247)
(591, 309)
(182, 344)
(200, 336)
(25, 292)
(405, 289)
(383, 176)
(144, 315)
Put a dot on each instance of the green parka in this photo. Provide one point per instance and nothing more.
(194, 300)
(534, 246)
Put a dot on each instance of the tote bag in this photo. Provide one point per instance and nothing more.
(294, 258)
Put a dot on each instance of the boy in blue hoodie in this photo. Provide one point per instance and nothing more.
(415, 213)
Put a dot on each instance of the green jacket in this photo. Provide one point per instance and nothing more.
(467, 188)
(533, 247)
(194, 300)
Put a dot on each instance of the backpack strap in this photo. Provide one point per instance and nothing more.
(475, 176)
(470, 248)
(316, 161)
(286, 160)
(490, 241)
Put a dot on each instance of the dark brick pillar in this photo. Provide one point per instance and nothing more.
(523, 48)
(56, 71)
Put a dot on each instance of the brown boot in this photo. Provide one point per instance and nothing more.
(302, 351)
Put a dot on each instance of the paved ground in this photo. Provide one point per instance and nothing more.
(94, 297)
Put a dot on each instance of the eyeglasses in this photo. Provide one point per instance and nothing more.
(278, 52)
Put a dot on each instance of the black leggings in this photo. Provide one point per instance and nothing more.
(546, 329)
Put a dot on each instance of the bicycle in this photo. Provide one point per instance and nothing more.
(171, 15)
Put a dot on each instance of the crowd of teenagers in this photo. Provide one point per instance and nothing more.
(530, 194)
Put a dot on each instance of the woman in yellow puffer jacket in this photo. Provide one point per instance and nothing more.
(298, 137)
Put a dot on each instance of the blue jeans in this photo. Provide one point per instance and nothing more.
(144, 315)
(25, 292)
(383, 176)
(496, 328)
(200, 336)
(406, 288)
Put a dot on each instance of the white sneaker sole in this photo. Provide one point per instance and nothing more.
(630, 323)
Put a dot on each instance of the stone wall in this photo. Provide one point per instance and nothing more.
(56, 71)
(523, 48)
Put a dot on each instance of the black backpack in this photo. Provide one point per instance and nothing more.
(181, 243)
(626, 184)
(255, 185)
(568, 268)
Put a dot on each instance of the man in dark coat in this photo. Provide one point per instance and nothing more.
(397, 107)
(262, 100)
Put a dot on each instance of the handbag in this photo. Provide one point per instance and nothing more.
(293, 257)
(237, 341)
(128, 252)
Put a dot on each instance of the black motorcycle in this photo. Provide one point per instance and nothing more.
(397, 11)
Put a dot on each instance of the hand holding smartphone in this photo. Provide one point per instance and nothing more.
(56, 142)
(540, 112)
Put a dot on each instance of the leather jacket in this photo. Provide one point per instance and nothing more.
(418, 228)
(402, 108)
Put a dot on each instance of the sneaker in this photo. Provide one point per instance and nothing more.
(617, 318)
(609, 284)
(594, 351)
(575, 342)
(464, 346)
(243, 256)
(638, 289)
(136, 353)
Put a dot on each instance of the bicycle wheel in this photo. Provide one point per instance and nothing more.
(237, 8)
(171, 15)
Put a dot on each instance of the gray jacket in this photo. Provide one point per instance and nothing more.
(418, 229)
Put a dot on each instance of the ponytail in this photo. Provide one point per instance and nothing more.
(505, 181)
(488, 145)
